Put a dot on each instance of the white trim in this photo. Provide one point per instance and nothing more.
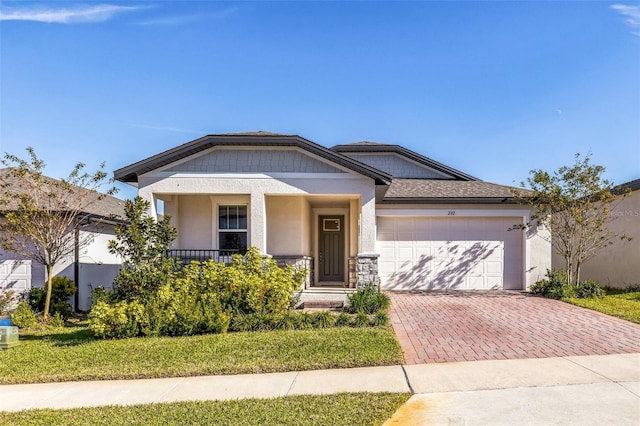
(227, 201)
(276, 175)
(453, 212)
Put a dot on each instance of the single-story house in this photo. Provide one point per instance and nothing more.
(617, 265)
(91, 264)
(353, 214)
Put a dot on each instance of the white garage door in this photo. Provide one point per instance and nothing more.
(438, 253)
(15, 275)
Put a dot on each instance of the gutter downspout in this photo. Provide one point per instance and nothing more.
(76, 267)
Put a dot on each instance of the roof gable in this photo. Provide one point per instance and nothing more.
(240, 140)
(255, 160)
(367, 150)
(399, 166)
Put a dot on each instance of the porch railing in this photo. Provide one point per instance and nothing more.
(189, 255)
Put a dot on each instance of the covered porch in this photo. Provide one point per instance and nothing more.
(331, 236)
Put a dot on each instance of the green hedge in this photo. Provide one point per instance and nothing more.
(198, 298)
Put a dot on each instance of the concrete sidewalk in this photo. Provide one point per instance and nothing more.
(601, 389)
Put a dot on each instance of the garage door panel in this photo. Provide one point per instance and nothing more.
(450, 253)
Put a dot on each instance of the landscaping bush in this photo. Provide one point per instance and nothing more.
(198, 298)
(555, 286)
(62, 288)
(361, 320)
(23, 316)
(118, 320)
(144, 280)
(380, 319)
(368, 300)
(588, 289)
(323, 319)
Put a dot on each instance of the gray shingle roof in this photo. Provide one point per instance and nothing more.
(107, 207)
(424, 190)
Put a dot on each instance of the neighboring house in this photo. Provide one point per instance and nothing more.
(352, 214)
(617, 265)
(91, 265)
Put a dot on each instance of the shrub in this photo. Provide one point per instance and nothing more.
(199, 298)
(368, 300)
(323, 319)
(118, 320)
(286, 321)
(380, 319)
(142, 281)
(361, 320)
(588, 289)
(62, 288)
(23, 316)
(343, 319)
(555, 286)
(56, 321)
(101, 294)
(305, 321)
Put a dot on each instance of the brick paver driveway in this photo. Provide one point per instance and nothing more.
(468, 326)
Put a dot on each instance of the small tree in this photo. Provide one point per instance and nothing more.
(41, 214)
(142, 242)
(575, 205)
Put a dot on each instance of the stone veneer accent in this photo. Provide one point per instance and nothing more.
(255, 161)
(298, 262)
(363, 269)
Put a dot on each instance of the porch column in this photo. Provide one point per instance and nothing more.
(366, 262)
(258, 221)
(368, 224)
(146, 194)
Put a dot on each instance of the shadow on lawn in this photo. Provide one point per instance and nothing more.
(63, 337)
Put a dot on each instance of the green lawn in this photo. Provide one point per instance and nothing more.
(73, 354)
(341, 409)
(623, 305)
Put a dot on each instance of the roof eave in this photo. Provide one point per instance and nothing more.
(449, 200)
(129, 174)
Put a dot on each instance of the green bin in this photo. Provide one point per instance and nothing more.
(8, 337)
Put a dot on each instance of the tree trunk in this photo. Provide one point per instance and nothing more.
(47, 300)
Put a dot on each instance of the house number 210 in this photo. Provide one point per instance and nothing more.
(451, 213)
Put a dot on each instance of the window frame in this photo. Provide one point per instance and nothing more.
(221, 231)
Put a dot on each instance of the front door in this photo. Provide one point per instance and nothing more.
(331, 248)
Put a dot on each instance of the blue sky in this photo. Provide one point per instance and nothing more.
(492, 88)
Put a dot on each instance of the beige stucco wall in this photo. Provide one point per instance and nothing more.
(195, 222)
(288, 225)
(619, 264)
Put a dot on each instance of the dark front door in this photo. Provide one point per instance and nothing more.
(331, 248)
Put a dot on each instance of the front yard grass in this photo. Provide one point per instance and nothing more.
(72, 354)
(623, 305)
(340, 409)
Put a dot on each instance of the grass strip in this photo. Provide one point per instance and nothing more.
(72, 354)
(624, 305)
(340, 409)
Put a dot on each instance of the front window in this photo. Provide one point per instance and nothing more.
(232, 228)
